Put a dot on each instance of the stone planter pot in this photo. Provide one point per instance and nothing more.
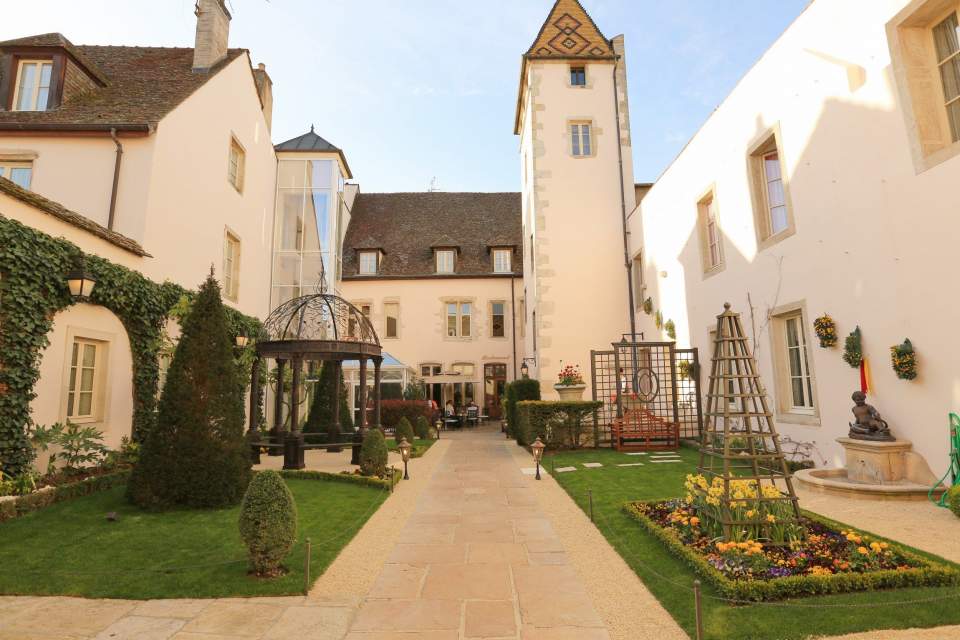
(570, 391)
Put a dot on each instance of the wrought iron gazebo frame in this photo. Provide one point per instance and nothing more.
(320, 327)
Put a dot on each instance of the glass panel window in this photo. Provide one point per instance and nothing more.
(711, 232)
(580, 139)
(452, 319)
(81, 390)
(33, 85)
(501, 260)
(578, 76)
(458, 319)
(801, 387)
(231, 266)
(235, 166)
(368, 262)
(639, 287)
(776, 202)
(391, 310)
(17, 172)
(465, 319)
(945, 39)
(445, 261)
(498, 325)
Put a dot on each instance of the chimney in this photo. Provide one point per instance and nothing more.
(213, 28)
(265, 91)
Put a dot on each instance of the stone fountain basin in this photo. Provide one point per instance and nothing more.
(835, 481)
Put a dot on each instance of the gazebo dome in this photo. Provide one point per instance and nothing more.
(320, 324)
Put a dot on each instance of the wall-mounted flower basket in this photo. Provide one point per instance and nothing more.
(852, 349)
(904, 360)
(648, 306)
(671, 329)
(826, 330)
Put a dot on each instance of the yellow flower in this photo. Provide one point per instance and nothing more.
(771, 518)
(862, 551)
(875, 546)
(751, 513)
(694, 521)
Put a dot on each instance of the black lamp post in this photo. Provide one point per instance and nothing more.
(242, 339)
(538, 448)
(525, 368)
(405, 447)
(80, 282)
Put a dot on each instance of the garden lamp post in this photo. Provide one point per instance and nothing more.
(538, 448)
(80, 282)
(242, 339)
(525, 368)
(405, 447)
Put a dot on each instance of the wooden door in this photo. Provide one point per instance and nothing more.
(494, 383)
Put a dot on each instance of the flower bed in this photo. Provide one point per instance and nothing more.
(831, 558)
(16, 506)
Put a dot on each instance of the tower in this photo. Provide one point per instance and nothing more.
(577, 189)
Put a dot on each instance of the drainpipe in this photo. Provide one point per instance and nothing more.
(116, 178)
(623, 210)
(513, 325)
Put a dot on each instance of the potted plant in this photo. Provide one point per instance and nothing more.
(570, 384)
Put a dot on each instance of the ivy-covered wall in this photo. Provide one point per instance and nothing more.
(33, 288)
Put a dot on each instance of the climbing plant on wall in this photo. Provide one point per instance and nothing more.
(33, 290)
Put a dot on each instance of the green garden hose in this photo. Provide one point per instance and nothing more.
(954, 471)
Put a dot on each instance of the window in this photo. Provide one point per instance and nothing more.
(430, 370)
(580, 139)
(501, 260)
(17, 172)
(458, 319)
(801, 389)
(773, 218)
(533, 328)
(391, 310)
(498, 322)
(83, 383)
(523, 315)
(33, 85)
(639, 286)
(365, 310)
(231, 266)
(796, 400)
(533, 264)
(368, 262)
(236, 165)
(445, 261)
(711, 249)
(578, 76)
(948, 62)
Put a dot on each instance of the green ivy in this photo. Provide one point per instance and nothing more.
(33, 289)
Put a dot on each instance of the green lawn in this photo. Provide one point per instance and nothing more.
(671, 581)
(420, 446)
(71, 549)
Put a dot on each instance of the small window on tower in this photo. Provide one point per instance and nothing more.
(578, 76)
(580, 139)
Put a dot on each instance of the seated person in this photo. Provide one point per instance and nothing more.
(448, 409)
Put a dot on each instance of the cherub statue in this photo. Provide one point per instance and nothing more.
(868, 425)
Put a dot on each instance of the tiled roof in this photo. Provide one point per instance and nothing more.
(310, 142)
(57, 210)
(407, 225)
(569, 32)
(143, 84)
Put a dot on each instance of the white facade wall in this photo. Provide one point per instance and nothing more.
(873, 237)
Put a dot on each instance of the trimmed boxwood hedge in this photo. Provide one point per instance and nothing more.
(558, 423)
(22, 505)
(350, 478)
(518, 391)
(930, 574)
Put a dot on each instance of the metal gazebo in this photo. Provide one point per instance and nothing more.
(316, 327)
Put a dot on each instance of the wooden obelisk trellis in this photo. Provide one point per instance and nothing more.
(740, 441)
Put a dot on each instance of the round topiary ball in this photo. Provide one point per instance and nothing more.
(373, 454)
(422, 428)
(404, 430)
(268, 522)
(953, 499)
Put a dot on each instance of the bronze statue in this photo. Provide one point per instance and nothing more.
(868, 425)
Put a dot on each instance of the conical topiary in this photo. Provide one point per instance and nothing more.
(404, 430)
(196, 455)
(373, 454)
(268, 522)
(422, 427)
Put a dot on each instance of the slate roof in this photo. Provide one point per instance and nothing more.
(310, 142)
(407, 225)
(143, 84)
(57, 210)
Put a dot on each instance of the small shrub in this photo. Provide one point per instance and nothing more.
(404, 430)
(373, 454)
(392, 410)
(422, 428)
(517, 391)
(953, 499)
(268, 522)
(557, 424)
(80, 446)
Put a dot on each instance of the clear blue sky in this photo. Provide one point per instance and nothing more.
(412, 89)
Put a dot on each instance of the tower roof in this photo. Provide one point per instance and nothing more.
(310, 142)
(569, 32)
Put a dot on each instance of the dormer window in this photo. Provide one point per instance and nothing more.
(33, 85)
(502, 260)
(446, 260)
(368, 262)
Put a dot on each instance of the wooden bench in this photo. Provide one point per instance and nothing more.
(641, 430)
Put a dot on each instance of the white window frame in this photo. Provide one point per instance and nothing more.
(364, 263)
(503, 316)
(581, 138)
(760, 154)
(236, 164)
(74, 379)
(787, 410)
(639, 282)
(952, 127)
(462, 314)
(711, 238)
(7, 168)
(502, 260)
(446, 260)
(387, 305)
(231, 265)
(37, 86)
(795, 321)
